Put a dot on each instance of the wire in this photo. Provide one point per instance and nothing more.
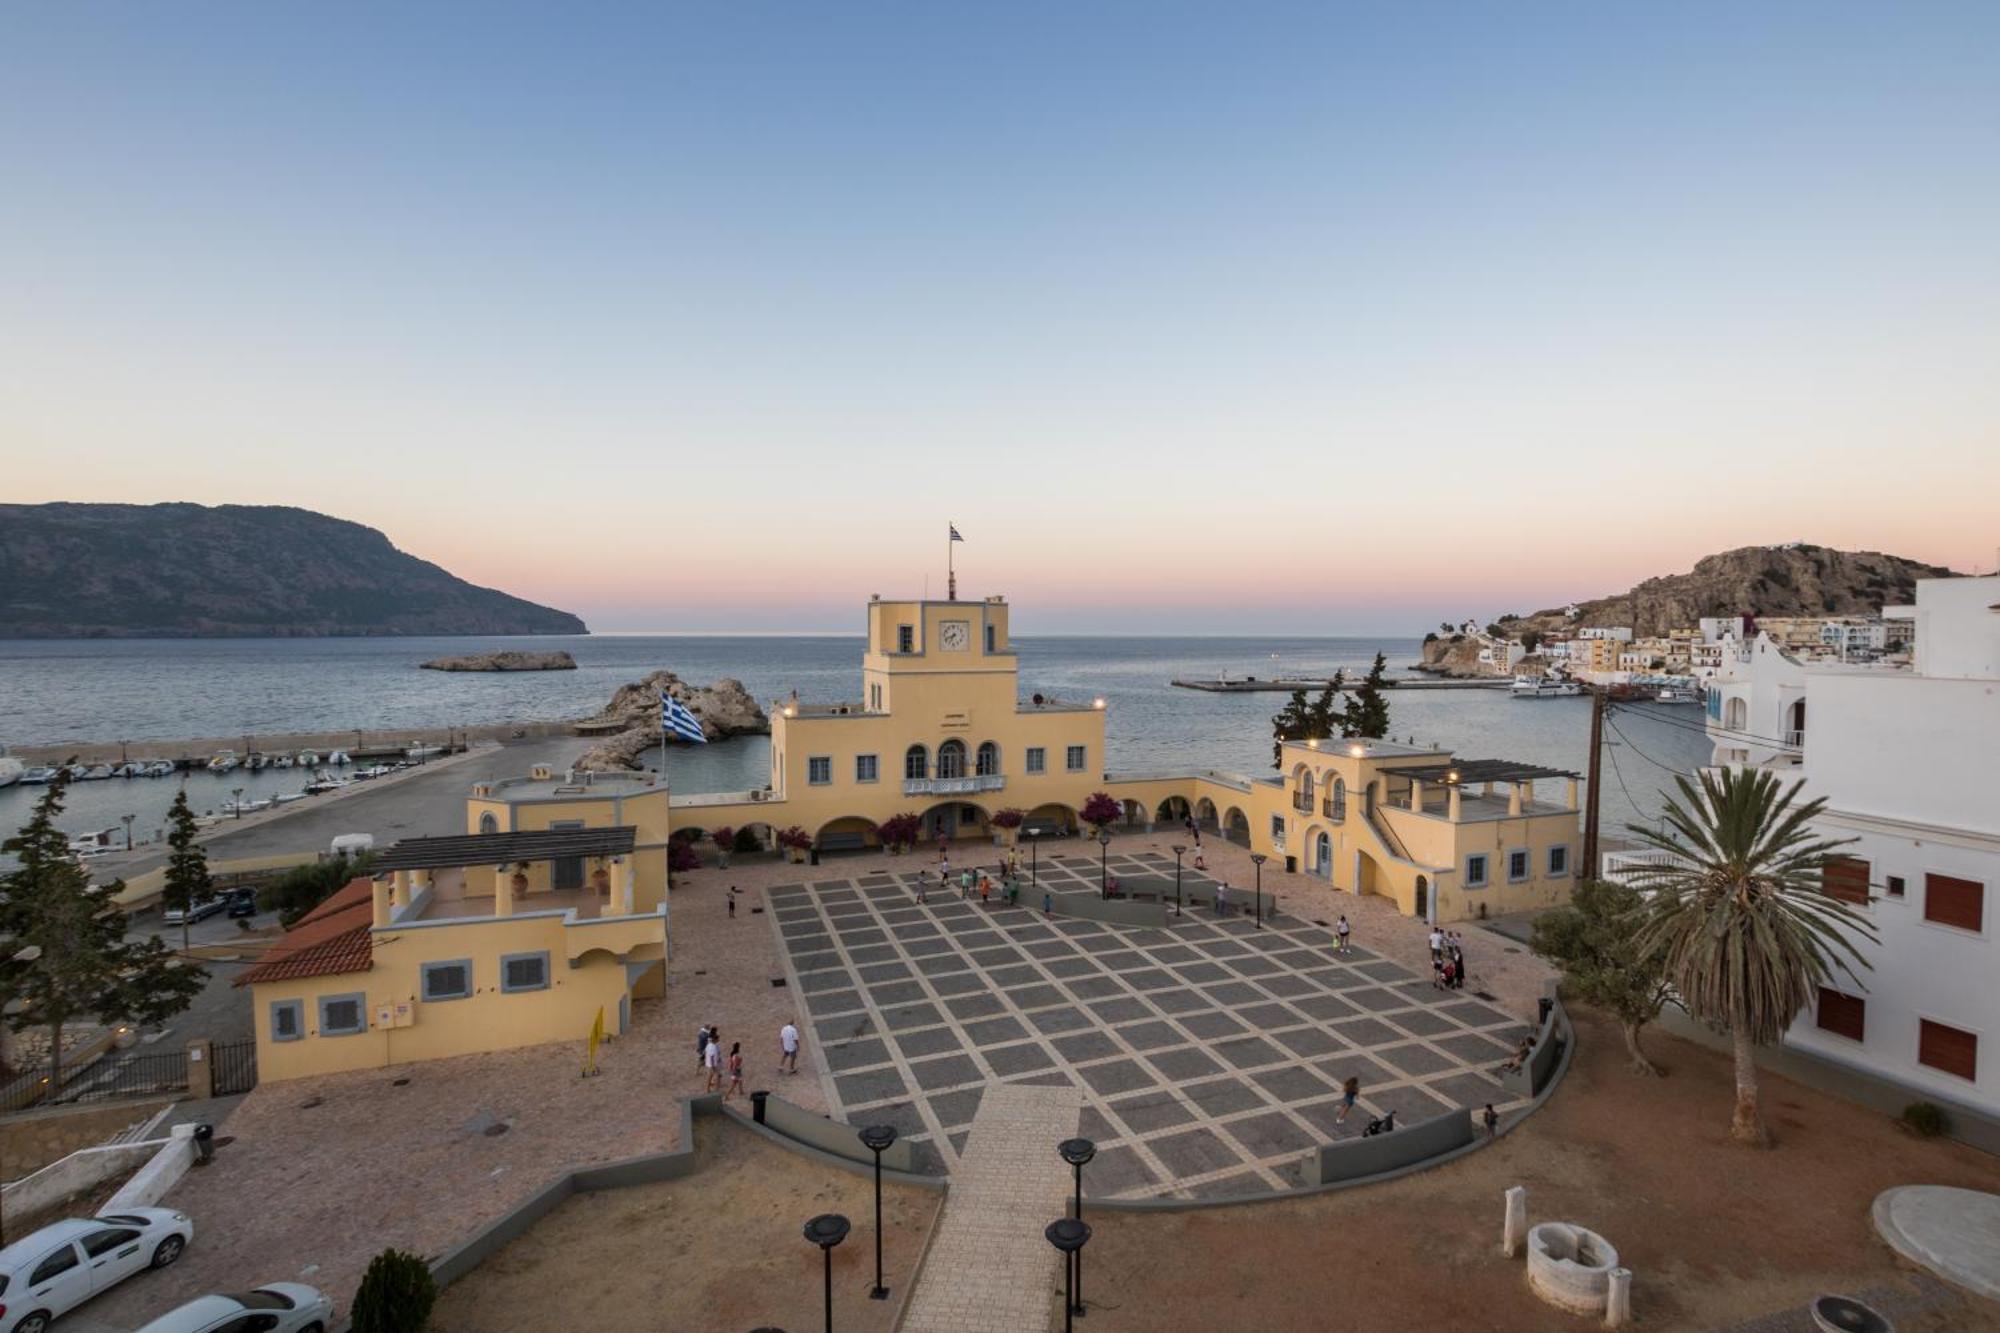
(1700, 727)
(1641, 753)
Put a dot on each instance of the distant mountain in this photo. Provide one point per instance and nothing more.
(1796, 580)
(196, 571)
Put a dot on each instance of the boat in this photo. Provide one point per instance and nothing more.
(308, 758)
(374, 771)
(243, 807)
(127, 770)
(95, 773)
(159, 768)
(255, 761)
(419, 753)
(224, 761)
(282, 761)
(287, 797)
(338, 758)
(1544, 687)
(323, 782)
(1674, 694)
(39, 776)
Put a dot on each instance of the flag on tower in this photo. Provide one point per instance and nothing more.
(677, 719)
(954, 532)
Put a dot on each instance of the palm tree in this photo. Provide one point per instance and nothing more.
(1737, 916)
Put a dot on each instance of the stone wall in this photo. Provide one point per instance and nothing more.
(31, 1140)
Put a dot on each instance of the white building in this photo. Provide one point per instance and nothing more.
(1903, 759)
(1622, 633)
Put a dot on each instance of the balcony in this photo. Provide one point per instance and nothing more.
(954, 786)
(1334, 810)
(1795, 738)
(1302, 803)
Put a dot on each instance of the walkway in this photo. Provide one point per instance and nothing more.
(989, 1269)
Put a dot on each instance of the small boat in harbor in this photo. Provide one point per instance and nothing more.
(11, 768)
(255, 761)
(419, 753)
(1544, 687)
(159, 768)
(308, 758)
(282, 761)
(338, 758)
(324, 782)
(238, 808)
(287, 797)
(1674, 694)
(95, 773)
(39, 776)
(224, 761)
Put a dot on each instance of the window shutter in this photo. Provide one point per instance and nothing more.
(1948, 1048)
(1951, 901)
(1845, 878)
(1844, 1015)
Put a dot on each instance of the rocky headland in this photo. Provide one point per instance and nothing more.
(507, 661)
(630, 723)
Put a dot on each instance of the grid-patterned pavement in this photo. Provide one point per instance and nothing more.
(1208, 1054)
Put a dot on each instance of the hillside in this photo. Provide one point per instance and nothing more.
(195, 571)
(1751, 580)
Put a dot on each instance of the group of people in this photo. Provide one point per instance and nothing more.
(710, 1058)
(1004, 879)
(1447, 960)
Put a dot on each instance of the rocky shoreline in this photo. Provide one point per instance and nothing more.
(630, 723)
(507, 661)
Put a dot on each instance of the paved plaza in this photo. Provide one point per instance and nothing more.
(1208, 1053)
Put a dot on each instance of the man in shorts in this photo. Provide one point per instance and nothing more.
(788, 1047)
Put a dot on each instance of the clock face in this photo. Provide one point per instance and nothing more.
(954, 635)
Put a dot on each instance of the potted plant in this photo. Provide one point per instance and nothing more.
(724, 839)
(899, 832)
(1101, 811)
(796, 841)
(1006, 822)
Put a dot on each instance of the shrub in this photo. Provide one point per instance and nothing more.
(1008, 818)
(746, 841)
(1102, 810)
(724, 839)
(794, 838)
(1926, 1119)
(900, 831)
(395, 1296)
(682, 856)
(305, 887)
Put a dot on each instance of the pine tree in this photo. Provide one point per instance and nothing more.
(63, 951)
(187, 882)
(1367, 713)
(1289, 724)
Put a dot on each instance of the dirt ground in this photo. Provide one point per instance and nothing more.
(720, 1250)
(1715, 1234)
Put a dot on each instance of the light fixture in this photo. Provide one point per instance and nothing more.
(1098, 702)
(1357, 750)
(1312, 743)
(791, 711)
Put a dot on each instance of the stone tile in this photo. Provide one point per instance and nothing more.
(1125, 1009)
(995, 1031)
(1025, 1059)
(1236, 1185)
(1471, 1090)
(1014, 976)
(945, 1072)
(1474, 1049)
(925, 1159)
(939, 964)
(1184, 1063)
(1081, 1046)
(1382, 970)
(1116, 1171)
(1178, 1001)
(1212, 1024)
(1323, 1007)
(873, 953)
(1035, 997)
(1151, 1036)
(845, 1028)
(1353, 1064)
(1248, 1052)
(1054, 1078)
(981, 939)
(1324, 1117)
(866, 935)
(1474, 1014)
(1273, 1134)
(911, 1016)
(1377, 999)
(1366, 1032)
(1174, 953)
(1046, 949)
(956, 1108)
(815, 962)
(931, 948)
(1309, 1041)
(897, 992)
(1268, 1016)
(1122, 960)
(1292, 1083)
(1423, 1023)
(1150, 1112)
(914, 930)
(1196, 973)
(1151, 979)
(1072, 967)
(1193, 1152)
(1289, 987)
(1410, 1102)
(1222, 1096)
(876, 1085)
(1252, 967)
(904, 1116)
(975, 1006)
(1093, 1125)
(1115, 1076)
(835, 1002)
(855, 1055)
(883, 972)
(1234, 994)
(1000, 957)
(927, 1041)
(1053, 1021)
(959, 983)
(1413, 1058)
(813, 983)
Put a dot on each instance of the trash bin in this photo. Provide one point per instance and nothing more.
(815, 856)
(1291, 865)
(757, 1105)
(204, 1142)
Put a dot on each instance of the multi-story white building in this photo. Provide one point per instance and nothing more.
(1901, 757)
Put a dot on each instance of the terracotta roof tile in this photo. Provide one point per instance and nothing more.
(331, 939)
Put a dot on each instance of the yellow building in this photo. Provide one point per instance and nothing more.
(941, 730)
(550, 911)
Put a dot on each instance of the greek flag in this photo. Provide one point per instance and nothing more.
(677, 720)
(954, 532)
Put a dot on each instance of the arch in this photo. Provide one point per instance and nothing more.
(1173, 810)
(1304, 779)
(916, 763)
(1423, 898)
(951, 759)
(1319, 848)
(589, 955)
(849, 833)
(986, 762)
(1336, 800)
(763, 834)
(954, 819)
(1236, 826)
(1795, 721)
(1136, 814)
(1204, 813)
(1052, 814)
(488, 824)
(1736, 713)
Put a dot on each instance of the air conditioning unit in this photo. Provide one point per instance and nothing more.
(541, 772)
(482, 789)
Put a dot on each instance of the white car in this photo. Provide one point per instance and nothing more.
(278, 1307)
(58, 1268)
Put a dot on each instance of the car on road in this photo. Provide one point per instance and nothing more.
(278, 1307)
(50, 1272)
(243, 902)
(201, 911)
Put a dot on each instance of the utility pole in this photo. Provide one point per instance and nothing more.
(1596, 761)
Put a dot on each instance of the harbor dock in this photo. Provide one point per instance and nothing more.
(1286, 684)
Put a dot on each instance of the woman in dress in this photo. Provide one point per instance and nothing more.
(735, 1071)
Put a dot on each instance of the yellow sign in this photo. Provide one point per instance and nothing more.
(596, 1040)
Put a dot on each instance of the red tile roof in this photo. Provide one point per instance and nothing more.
(331, 939)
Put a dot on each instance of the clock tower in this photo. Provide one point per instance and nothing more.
(913, 646)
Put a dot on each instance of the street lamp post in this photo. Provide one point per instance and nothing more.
(237, 792)
(1179, 852)
(826, 1231)
(1068, 1235)
(1257, 859)
(877, 1138)
(1104, 861)
(127, 821)
(1035, 857)
(1076, 1152)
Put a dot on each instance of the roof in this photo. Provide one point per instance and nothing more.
(473, 849)
(1466, 771)
(330, 940)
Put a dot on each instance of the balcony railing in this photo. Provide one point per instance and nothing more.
(1334, 810)
(1795, 739)
(954, 786)
(1302, 803)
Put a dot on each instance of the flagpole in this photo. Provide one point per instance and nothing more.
(950, 572)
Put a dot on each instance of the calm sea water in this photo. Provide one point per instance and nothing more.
(158, 690)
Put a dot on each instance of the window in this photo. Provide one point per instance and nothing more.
(1954, 1050)
(819, 770)
(951, 759)
(987, 762)
(1558, 861)
(1277, 828)
(103, 1242)
(864, 768)
(54, 1265)
(916, 763)
(1951, 901)
(288, 1020)
(1074, 760)
(1475, 872)
(448, 981)
(488, 824)
(1339, 798)
(1842, 1015)
(906, 638)
(342, 1015)
(875, 698)
(249, 1323)
(1894, 886)
(991, 638)
(524, 971)
(1038, 759)
(1845, 878)
(1517, 865)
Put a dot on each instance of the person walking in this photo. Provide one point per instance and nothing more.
(1348, 1092)
(712, 1059)
(1450, 974)
(732, 902)
(1491, 1119)
(1437, 945)
(735, 1071)
(986, 892)
(1340, 930)
(1221, 899)
(1457, 967)
(701, 1040)
(1048, 904)
(788, 1048)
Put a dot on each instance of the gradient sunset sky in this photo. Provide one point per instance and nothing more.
(1312, 319)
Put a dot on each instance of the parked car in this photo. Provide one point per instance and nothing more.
(56, 1269)
(201, 911)
(281, 1307)
(243, 902)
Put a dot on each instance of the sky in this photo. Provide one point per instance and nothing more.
(1314, 319)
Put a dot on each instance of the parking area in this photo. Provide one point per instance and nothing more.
(1210, 1052)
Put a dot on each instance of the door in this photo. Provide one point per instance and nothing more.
(1423, 899)
(566, 872)
(1323, 856)
(113, 1254)
(59, 1281)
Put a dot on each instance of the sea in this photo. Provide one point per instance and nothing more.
(150, 692)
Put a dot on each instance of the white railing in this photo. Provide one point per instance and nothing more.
(954, 786)
(1795, 739)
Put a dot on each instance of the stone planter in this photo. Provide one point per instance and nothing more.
(1570, 1266)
